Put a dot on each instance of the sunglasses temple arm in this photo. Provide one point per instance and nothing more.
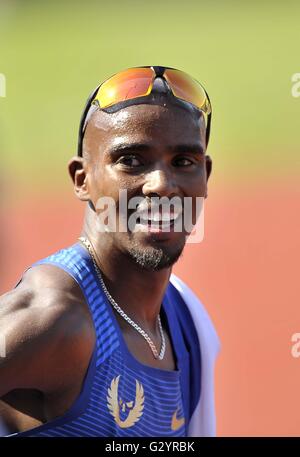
(82, 120)
(208, 121)
(208, 129)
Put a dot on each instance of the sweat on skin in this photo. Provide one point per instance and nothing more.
(149, 150)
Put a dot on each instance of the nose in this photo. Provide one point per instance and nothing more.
(160, 182)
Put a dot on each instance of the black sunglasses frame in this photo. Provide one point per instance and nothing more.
(159, 72)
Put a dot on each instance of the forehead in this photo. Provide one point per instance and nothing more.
(157, 125)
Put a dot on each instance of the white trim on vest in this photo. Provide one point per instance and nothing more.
(203, 421)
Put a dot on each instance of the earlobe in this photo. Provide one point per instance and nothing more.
(79, 178)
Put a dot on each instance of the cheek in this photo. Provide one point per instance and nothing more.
(102, 183)
(108, 183)
(195, 185)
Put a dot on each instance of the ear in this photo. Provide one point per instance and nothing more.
(79, 177)
(208, 164)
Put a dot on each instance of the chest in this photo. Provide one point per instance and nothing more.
(141, 350)
(129, 399)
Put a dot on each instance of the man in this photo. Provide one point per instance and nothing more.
(101, 340)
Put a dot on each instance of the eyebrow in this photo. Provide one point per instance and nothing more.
(131, 148)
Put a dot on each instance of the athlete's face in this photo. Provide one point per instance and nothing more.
(151, 151)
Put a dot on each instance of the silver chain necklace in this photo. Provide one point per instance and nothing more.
(156, 355)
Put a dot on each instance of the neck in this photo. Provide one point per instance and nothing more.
(137, 291)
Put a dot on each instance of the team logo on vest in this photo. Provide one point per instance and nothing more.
(118, 407)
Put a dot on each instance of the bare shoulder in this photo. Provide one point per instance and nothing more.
(45, 325)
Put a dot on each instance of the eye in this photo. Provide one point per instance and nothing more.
(183, 162)
(130, 161)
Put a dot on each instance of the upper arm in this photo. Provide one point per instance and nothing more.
(42, 329)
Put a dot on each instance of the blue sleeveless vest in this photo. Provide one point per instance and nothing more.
(120, 396)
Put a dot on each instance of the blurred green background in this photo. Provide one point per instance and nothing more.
(54, 53)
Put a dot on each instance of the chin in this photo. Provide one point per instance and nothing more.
(155, 258)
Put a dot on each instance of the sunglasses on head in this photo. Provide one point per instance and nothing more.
(138, 82)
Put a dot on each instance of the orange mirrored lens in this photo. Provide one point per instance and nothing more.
(131, 83)
(186, 88)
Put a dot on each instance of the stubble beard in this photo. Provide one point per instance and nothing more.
(154, 258)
